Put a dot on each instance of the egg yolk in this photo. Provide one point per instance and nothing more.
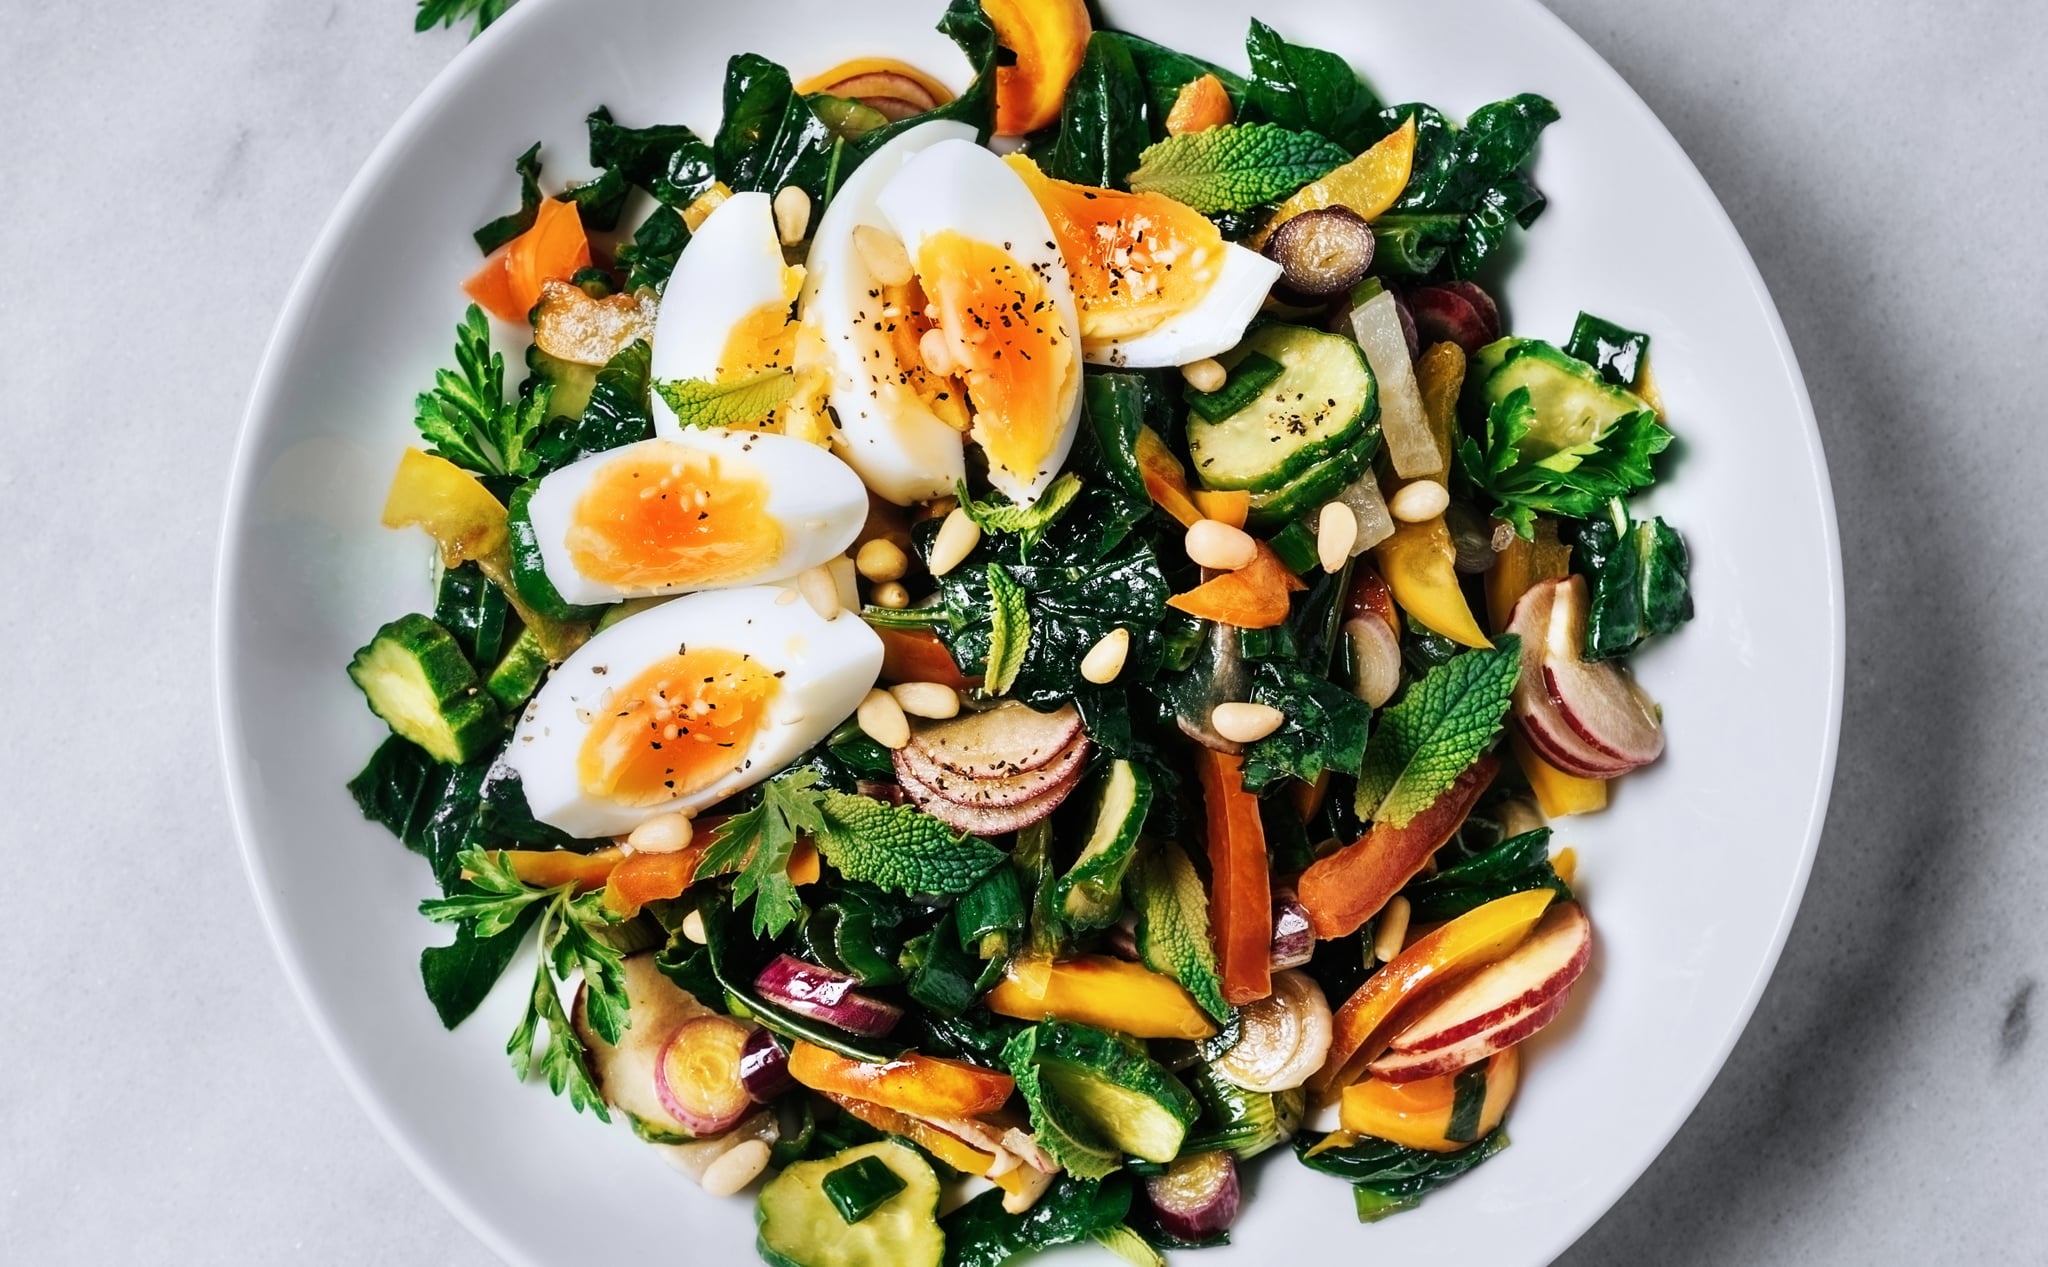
(764, 339)
(672, 517)
(676, 729)
(1135, 259)
(1006, 340)
(899, 313)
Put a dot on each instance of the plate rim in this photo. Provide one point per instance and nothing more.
(264, 398)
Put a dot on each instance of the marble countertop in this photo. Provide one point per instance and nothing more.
(164, 1099)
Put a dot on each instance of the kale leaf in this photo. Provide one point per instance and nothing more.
(1467, 186)
(506, 227)
(619, 411)
(667, 160)
(1309, 89)
(1387, 1178)
(968, 26)
(771, 137)
(1104, 121)
(656, 246)
(1618, 353)
(1512, 866)
(1325, 726)
(982, 1234)
(1638, 574)
(431, 808)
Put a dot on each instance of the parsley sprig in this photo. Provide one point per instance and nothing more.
(1577, 482)
(467, 418)
(493, 900)
(448, 12)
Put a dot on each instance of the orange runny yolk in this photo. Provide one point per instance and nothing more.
(1135, 259)
(672, 517)
(679, 727)
(764, 339)
(1007, 341)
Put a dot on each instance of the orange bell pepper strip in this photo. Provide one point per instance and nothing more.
(1240, 887)
(1049, 38)
(1347, 888)
(926, 1086)
(1253, 597)
(1100, 991)
(1203, 103)
(1366, 1022)
(1166, 480)
(1558, 794)
(652, 877)
(554, 249)
(1418, 1114)
(804, 863)
(553, 868)
(1226, 506)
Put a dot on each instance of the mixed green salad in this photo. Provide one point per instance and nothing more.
(1014, 650)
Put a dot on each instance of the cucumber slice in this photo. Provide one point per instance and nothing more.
(529, 572)
(1121, 1095)
(518, 675)
(416, 678)
(1307, 492)
(1573, 404)
(1091, 892)
(800, 1226)
(1322, 401)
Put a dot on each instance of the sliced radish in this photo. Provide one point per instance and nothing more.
(885, 85)
(1599, 702)
(1525, 982)
(1541, 719)
(992, 793)
(697, 1076)
(1445, 316)
(764, 1067)
(1375, 659)
(1197, 1197)
(987, 821)
(1482, 303)
(811, 990)
(1000, 743)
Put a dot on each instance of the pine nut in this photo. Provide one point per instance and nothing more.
(739, 1166)
(1106, 658)
(1392, 933)
(1336, 533)
(883, 253)
(935, 700)
(1206, 376)
(956, 540)
(891, 594)
(1419, 502)
(664, 833)
(820, 591)
(1246, 723)
(693, 928)
(792, 214)
(936, 353)
(881, 717)
(881, 560)
(1214, 544)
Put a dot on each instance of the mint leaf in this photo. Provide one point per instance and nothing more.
(734, 403)
(901, 847)
(1173, 925)
(1028, 522)
(1235, 167)
(1441, 726)
(757, 844)
(1010, 634)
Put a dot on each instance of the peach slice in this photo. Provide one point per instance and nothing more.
(1600, 703)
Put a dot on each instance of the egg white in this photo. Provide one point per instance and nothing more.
(1214, 325)
(903, 450)
(958, 185)
(815, 498)
(828, 667)
(731, 268)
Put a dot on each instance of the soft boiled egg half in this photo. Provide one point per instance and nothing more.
(726, 315)
(682, 705)
(1154, 281)
(699, 509)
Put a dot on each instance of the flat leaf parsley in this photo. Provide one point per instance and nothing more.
(467, 419)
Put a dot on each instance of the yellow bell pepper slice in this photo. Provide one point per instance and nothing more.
(1418, 1114)
(1368, 184)
(1101, 991)
(1558, 794)
(1419, 564)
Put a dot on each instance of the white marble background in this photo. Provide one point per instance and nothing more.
(161, 1097)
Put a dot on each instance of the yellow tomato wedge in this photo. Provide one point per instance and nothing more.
(1420, 566)
(1368, 184)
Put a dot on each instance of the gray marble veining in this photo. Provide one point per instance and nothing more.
(165, 1101)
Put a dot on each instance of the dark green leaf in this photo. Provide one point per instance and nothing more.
(1309, 90)
(1387, 1178)
(1467, 185)
(1104, 124)
(770, 136)
(619, 411)
(667, 160)
(1440, 727)
(1166, 72)
(1515, 865)
(967, 26)
(506, 227)
(656, 246)
(1616, 352)
(756, 844)
(1639, 585)
(434, 13)
(458, 976)
(468, 606)
(982, 1234)
(432, 808)
(1235, 166)
(1577, 483)
(1325, 727)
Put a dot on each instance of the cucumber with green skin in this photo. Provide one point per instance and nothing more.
(529, 570)
(799, 1226)
(518, 673)
(415, 677)
(1307, 492)
(1121, 1096)
(1322, 401)
(1574, 404)
(1091, 890)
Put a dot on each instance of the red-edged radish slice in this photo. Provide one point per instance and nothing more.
(1197, 1197)
(697, 1076)
(1601, 704)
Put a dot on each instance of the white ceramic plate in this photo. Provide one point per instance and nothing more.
(1692, 877)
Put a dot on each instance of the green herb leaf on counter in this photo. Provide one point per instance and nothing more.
(1009, 637)
(1440, 727)
(1309, 90)
(1235, 166)
(1638, 573)
(757, 844)
(1029, 523)
(434, 13)
(735, 403)
(1577, 483)
(1103, 121)
(466, 418)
